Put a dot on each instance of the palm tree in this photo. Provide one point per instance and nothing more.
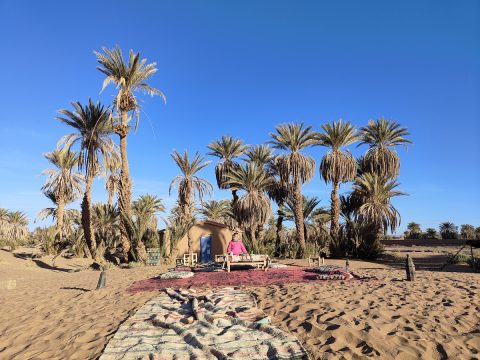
(448, 230)
(295, 168)
(413, 230)
(18, 227)
(93, 126)
(311, 212)
(68, 214)
(188, 183)
(431, 233)
(219, 211)
(128, 78)
(376, 212)
(467, 232)
(262, 155)
(337, 166)
(4, 225)
(227, 149)
(62, 182)
(105, 221)
(382, 136)
(252, 209)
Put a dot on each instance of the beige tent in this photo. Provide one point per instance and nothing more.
(209, 238)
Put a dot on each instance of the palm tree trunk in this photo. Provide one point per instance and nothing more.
(334, 211)
(60, 217)
(87, 219)
(253, 238)
(125, 188)
(279, 231)
(299, 225)
(235, 196)
(110, 198)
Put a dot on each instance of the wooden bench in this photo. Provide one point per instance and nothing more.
(230, 260)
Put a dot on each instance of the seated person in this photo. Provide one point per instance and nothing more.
(236, 246)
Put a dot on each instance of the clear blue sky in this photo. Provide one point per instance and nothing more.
(241, 67)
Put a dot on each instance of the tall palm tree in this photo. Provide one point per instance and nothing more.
(295, 168)
(253, 208)
(374, 193)
(382, 136)
(128, 78)
(227, 149)
(219, 211)
(188, 183)
(337, 166)
(63, 182)
(93, 126)
(413, 230)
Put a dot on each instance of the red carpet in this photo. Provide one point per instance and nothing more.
(234, 278)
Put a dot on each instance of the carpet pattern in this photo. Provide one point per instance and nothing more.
(210, 324)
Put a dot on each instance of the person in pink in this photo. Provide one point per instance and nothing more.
(236, 246)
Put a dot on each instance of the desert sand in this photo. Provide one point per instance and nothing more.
(55, 314)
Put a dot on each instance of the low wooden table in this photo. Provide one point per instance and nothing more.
(243, 260)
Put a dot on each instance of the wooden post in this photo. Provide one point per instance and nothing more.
(347, 264)
(410, 269)
(323, 260)
(102, 280)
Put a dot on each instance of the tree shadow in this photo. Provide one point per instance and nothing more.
(44, 265)
(75, 288)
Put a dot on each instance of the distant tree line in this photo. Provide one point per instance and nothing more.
(446, 230)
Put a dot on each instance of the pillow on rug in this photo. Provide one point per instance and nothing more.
(176, 275)
(331, 272)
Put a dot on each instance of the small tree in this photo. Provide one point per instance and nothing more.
(448, 230)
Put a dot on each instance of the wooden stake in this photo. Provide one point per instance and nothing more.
(102, 280)
(410, 269)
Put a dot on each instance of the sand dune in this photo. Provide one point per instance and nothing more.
(57, 315)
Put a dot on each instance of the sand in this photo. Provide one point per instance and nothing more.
(58, 315)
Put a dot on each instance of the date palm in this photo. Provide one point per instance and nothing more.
(18, 227)
(112, 176)
(53, 212)
(262, 155)
(253, 208)
(188, 183)
(219, 211)
(295, 168)
(337, 166)
(92, 124)
(382, 136)
(129, 78)
(374, 193)
(63, 182)
(448, 230)
(227, 149)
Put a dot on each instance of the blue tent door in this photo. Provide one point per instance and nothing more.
(206, 249)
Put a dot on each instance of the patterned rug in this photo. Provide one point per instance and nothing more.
(210, 324)
(253, 277)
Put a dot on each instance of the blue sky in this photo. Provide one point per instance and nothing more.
(240, 68)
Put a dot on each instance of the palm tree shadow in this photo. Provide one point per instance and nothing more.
(44, 265)
(75, 288)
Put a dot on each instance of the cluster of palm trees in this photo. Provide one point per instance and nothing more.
(446, 230)
(89, 151)
(277, 170)
(13, 228)
(255, 175)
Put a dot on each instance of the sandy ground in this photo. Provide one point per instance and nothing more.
(55, 314)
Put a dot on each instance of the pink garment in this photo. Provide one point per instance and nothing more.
(236, 247)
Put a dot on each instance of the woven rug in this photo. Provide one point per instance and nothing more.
(211, 324)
